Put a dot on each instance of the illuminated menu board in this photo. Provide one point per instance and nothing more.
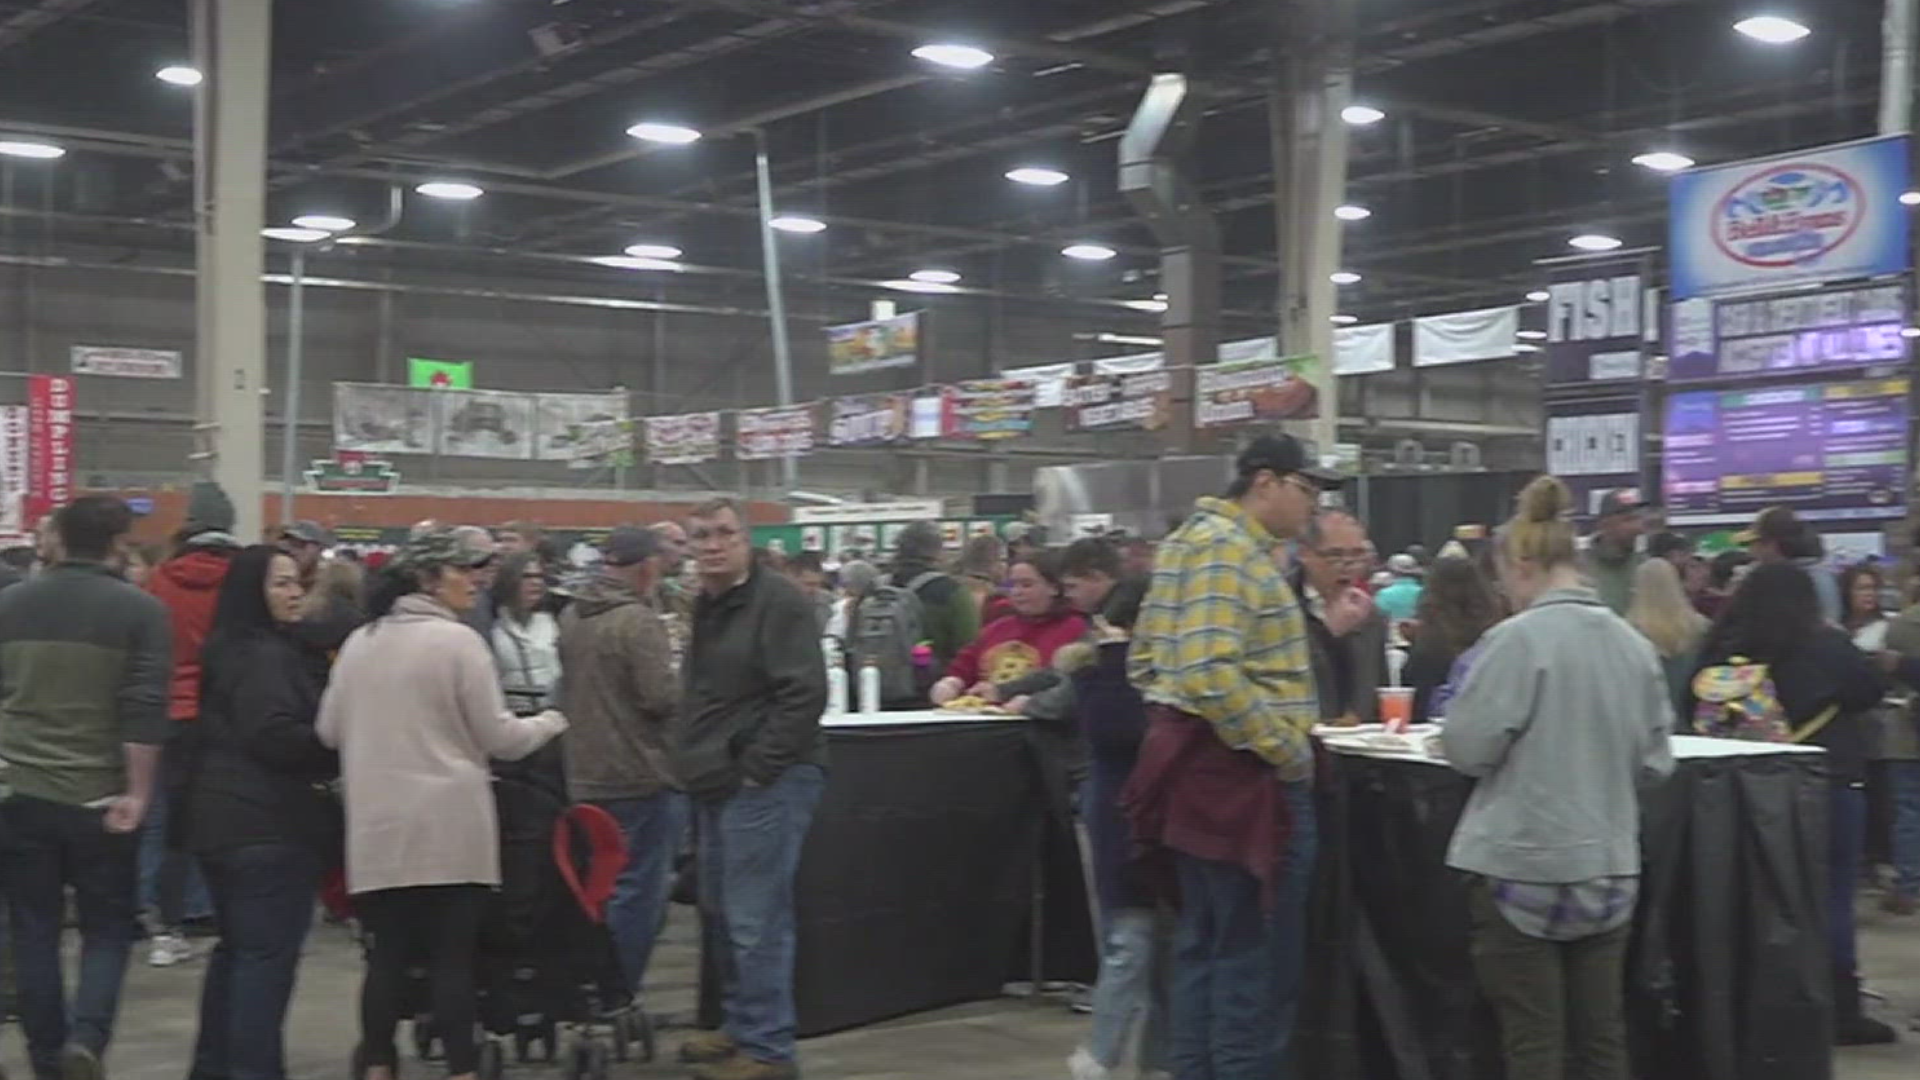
(1811, 331)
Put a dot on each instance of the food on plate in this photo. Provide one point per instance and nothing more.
(972, 703)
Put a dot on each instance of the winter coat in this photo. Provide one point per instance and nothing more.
(528, 656)
(189, 585)
(620, 693)
(1827, 671)
(416, 711)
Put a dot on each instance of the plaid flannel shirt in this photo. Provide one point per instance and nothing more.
(1221, 635)
(1566, 912)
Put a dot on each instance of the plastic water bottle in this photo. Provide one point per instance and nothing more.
(836, 690)
(869, 688)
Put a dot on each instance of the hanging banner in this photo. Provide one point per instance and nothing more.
(870, 346)
(50, 444)
(561, 420)
(1363, 350)
(1596, 318)
(485, 424)
(1130, 365)
(873, 420)
(1049, 382)
(382, 420)
(602, 443)
(687, 439)
(1821, 214)
(1461, 337)
(929, 418)
(988, 409)
(778, 432)
(1254, 390)
(13, 470)
(1594, 444)
(1818, 330)
(1103, 402)
(440, 374)
(125, 363)
(353, 474)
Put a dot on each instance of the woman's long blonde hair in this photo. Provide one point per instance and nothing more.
(1540, 531)
(1661, 611)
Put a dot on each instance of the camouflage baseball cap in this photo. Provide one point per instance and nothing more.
(442, 547)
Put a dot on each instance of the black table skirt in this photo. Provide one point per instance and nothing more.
(1727, 974)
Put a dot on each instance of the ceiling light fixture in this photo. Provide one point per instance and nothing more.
(948, 54)
(1539, 296)
(1350, 212)
(452, 190)
(1910, 331)
(1345, 320)
(328, 223)
(1523, 347)
(1037, 176)
(630, 262)
(37, 151)
(1594, 242)
(653, 251)
(294, 235)
(1663, 160)
(1154, 306)
(793, 223)
(179, 75)
(1344, 277)
(666, 134)
(1532, 335)
(910, 285)
(935, 277)
(1088, 252)
(1772, 29)
(1910, 198)
(1362, 115)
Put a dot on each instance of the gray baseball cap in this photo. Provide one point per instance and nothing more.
(630, 544)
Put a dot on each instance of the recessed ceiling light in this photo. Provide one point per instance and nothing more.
(1910, 331)
(1532, 335)
(1910, 198)
(1362, 115)
(1037, 176)
(1594, 242)
(1155, 306)
(1344, 277)
(450, 189)
(670, 134)
(179, 75)
(1350, 212)
(1088, 252)
(910, 285)
(653, 251)
(1772, 29)
(629, 262)
(330, 223)
(1663, 160)
(1523, 347)
(1539, 296)
(794, 223)
(935, 277)
(947, 54)
(38, 151)
(1345, 320)
(294, 235)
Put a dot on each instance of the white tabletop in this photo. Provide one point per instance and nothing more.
(1354, 741)
(913, 718)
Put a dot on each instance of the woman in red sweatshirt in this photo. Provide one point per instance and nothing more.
(1019, 644)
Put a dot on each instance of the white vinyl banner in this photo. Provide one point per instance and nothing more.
(13, 470)
(1049, 382)
(1465, 336)
(382, 420)
(1363, 350)
(562, 421)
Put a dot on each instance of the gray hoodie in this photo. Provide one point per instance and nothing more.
(1563, 717)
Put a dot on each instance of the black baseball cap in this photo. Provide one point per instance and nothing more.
(630, 544)
(1620, 501)
(1281, 455)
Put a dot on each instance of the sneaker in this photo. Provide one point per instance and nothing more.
(79, 1063)
(742, 1067)
(1083, 1066)
(170, 947)
(707, 1047)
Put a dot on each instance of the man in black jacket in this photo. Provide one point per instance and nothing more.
(749, 751)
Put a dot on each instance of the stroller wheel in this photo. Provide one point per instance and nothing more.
(493, 1060)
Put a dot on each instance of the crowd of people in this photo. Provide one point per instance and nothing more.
(235, 722)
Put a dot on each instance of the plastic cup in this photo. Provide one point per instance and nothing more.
(1396, 708)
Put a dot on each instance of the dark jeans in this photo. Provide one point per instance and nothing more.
(1238, 960)
(1847, 833)
(439, 924)
(1561, 1004)
(749, 851)
(46, 848)
(263, 897)
(652, 828)
(171, 886)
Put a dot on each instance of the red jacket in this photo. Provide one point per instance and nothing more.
(1013, 647)
(189, 584)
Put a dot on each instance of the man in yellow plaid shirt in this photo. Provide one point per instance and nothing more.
(1221, 655)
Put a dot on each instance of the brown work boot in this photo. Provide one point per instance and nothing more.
(742, 1067)
(707, 1047)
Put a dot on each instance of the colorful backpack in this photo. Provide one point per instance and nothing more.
(1736, 700)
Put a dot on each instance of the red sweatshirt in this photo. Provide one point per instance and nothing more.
(1013, 647)
(189, 584)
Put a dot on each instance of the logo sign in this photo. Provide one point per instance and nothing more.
(877, 420)
(870, 346)
(125, 363)
(687, 439)
(1823, 329)
(1098, 402)
(988, 409)
(1254, 391)
(1596, 310)
(352, 474)
(760, 434)
(50, 444)
(1818, 215)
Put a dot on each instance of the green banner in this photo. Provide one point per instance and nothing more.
(440, 374)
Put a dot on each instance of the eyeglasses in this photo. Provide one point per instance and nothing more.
(1294, 480)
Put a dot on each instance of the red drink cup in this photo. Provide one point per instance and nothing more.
(1396, 708)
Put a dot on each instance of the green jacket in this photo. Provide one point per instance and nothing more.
(85, 660)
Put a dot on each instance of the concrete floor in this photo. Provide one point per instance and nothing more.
(1001, 1040)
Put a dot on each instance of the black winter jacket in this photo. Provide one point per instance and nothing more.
(1827, 671)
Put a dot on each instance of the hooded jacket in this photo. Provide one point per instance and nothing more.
(620, 693)
(189, 585)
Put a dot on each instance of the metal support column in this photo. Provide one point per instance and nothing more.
(296, 355)
(1313, 83)
(776, 298)
(232, 46)
(1896, 67)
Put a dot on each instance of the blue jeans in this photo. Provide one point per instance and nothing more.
(1903, 781)
(1133, 981)
(45, 848)
(749, 850)
(263, 899)
(171, 886)
(652, 828)
(1847, 834)
(1238, 963)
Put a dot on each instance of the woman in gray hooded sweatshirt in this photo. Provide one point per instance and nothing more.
(1562, 718)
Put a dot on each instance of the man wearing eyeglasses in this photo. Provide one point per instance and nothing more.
(1347, 634)
(748, 748)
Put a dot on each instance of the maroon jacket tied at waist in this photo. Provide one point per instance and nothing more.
(1191, 793)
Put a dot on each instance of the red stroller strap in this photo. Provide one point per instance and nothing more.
(606, 856)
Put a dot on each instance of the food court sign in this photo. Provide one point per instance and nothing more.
(1817, 215)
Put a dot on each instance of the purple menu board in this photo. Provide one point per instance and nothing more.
(1832, 451)
(1807, 331)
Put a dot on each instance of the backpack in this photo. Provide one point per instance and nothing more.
(1736, 700)
(888, 622)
